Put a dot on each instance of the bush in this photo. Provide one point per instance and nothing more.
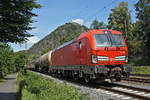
(141, 70)
(20, 60)
(34, 87)
(10, 61)
(6, 60)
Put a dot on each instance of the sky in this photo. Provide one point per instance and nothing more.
(55, 13)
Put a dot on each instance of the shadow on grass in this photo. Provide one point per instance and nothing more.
(19, 93)
(2, 80)
(6, 78)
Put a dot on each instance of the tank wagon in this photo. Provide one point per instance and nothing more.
(42, 63)
(95, 55)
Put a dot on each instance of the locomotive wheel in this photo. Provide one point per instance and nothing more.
(118, 77)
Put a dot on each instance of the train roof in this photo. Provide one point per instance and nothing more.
(66, 43)
(103, 31)
(85, 34)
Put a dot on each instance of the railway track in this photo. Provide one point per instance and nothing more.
(121, 90)
(130, 92)
(142, 80)
(142, 75)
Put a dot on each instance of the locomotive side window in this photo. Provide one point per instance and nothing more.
(80, 45)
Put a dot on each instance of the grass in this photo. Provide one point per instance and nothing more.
(141, 70)
(35, 87)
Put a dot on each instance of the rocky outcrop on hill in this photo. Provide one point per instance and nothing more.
(62, 34)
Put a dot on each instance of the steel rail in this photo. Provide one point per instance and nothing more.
(144, 75)
(131, 87)
(125, 93)
(137, 80)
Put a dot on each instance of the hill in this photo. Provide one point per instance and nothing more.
(62, 34)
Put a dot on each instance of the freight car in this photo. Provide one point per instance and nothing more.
(42, 63)
(95, 55)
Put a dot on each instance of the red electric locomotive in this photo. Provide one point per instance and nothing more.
(95, 55)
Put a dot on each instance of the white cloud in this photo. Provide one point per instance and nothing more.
(32, 40)
(23, 45)
(79, 21)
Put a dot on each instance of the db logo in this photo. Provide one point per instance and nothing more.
(112, 59)
(122, 52)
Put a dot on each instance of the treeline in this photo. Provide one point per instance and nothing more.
(11, 61)
(137, 34)
(15, 22)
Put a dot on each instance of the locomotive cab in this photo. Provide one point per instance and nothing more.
(110, 51)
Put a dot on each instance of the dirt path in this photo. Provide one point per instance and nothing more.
(8, 88)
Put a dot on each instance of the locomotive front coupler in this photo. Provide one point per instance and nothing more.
(115, 74)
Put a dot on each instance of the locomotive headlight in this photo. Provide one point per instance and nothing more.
(122, 58)
(103, 58)
(94, 59)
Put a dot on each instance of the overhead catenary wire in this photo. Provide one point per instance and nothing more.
(81, 11)
(133, 9)
(100, 10)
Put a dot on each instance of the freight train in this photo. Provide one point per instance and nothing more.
(99, 55)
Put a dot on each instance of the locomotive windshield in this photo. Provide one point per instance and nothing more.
(117, 40)
(102, 40)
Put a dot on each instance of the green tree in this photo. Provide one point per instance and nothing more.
(95, 24)
(136, 46)
(45, 50)
(143, 16)
(6, 60)
(102, 25)
(15, 19)
(98, 25)
(120, 19)
(20, 60)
